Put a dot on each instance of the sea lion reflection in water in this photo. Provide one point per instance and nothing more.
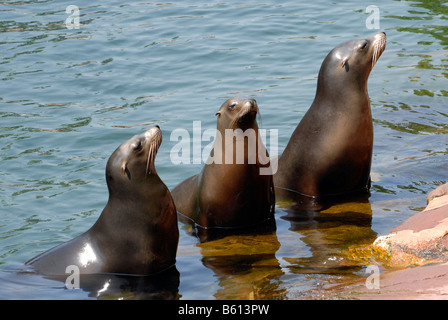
(330, 152)
(137, 231)
(234, 190)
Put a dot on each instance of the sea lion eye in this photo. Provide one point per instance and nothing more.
(363, 46)
(138, 146)
(233, 105)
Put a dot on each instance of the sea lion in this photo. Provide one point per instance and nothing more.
(330, 151)
(137, 231)
(231, 191)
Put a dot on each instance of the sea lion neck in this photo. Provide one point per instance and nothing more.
(133, 190)
(133, 209)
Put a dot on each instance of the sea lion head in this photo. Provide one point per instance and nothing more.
(238, 112)
(131, 166)
(351, 62)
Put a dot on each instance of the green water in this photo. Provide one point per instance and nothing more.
(69, 97)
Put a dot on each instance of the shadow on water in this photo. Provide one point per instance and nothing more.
(351, 208)
(205, 234)
(331, 231)
(245, 265)
(162, 286)
(243, 259)
(268, 263)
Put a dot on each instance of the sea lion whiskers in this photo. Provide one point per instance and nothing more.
(152, 152)
(378, 48)
(261, 120)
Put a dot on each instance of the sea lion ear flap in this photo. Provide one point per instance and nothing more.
(125, 170)
(345, 64)
(218, 113)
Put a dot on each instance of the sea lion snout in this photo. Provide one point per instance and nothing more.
(379, 45)
(249, 106)
(380, 36)
(154, 130)
(251, 102)
(248, 112)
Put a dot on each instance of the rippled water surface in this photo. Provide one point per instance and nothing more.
(69, 97)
